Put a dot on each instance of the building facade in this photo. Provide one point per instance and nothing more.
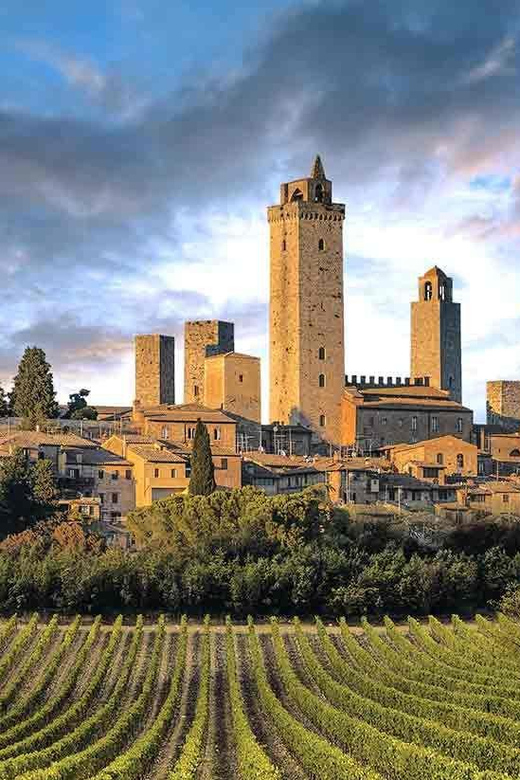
(503, 405)
(436, 334)
(203, 338)
(232, 382)
(155, 370)
(307, 351)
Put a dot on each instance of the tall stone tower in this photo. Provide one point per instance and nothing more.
(154, 370)
(307, 352)
(203, 338)
(435, 334)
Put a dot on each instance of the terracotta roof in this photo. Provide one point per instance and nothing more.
(418, 444)
(235, 354)
(187, 413)
(413, 403)
(154, 455)
(184, 447)
(275, 461)
(29, 439)
(426, 464)
(104, 457)
(408, 391)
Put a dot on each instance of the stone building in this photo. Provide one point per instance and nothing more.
(503, 405)
(445, 455)
(155, 369)
(203, 338)
(306, 306)
(232, 382)
(436, 334)
(178, 423)
(375, 414)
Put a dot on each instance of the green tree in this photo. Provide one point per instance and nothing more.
(78, 408)
(4, 406)
(28, 493)
(202, 481)
(33, 397)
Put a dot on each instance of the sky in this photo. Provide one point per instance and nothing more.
(141, 142)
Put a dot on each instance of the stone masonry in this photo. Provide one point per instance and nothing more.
(307, 360)
(503, 405)
(154, 370)
(203, 338)
(232, 382)
(436, 334)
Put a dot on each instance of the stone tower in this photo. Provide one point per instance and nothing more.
(307, 353)
(435, 334)
(203, 338)
(154, 370)
(503, 405)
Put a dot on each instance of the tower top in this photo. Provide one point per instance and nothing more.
(317, 170)
(435, 285)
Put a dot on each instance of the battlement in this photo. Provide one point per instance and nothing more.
(364, 382)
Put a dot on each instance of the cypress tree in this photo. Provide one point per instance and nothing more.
(202, 481)
(33, 397)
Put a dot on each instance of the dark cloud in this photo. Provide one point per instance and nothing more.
(406, 90)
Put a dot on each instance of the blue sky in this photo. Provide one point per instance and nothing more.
(140, 143)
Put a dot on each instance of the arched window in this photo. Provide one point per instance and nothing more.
(440, 458)
(322, 353)
(428, 291)
(321, 245)
(297, 195)
(442, 292)
(323, 421)
(321, 380)
(318, 193)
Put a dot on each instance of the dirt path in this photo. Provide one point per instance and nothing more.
(219, 760)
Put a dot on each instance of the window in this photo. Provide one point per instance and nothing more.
(460, 461)
(323, 421)
(322, 354)
(284, 245)
(187, 470)
(297, 195)
(321, 380)
(431, 473)
(156, 473)
(435, 424)
(440, 458)
(101, 474)
(428, 291)
(101, 498)
(384, 420)
(414, 424)
(115, 498)
(459, 425)
(115, 475)
(164, 433)
(241, 378)
(195, 390)
(505, 498)
(318, 193)
(191, 433)
(224, 463)
(173, 473)
(115, 515)
(216, 434)
(321, 245)
(128, 474)
(73, 473)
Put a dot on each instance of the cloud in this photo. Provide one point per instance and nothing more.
(107, 221)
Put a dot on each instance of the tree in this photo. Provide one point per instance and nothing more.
(202, 481)
(4, 406)
(33, 397)
(78, 408)
(28, 493)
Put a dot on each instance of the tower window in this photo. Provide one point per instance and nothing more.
(459, 424)
(322, 353)
(321, 380)
(284, 245)
(321, 245)
(428, 291)
(297, 195)
(195, 390)
(442, 292)
(323, 421)
(435, 424)
(318, 193)
(241, 378)
(414, 423)
(216, 434)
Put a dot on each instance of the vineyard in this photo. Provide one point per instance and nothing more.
(173, 702)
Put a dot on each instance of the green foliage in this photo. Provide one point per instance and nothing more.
(202, 480)
(33, 397)
(4, 405)
(86, 413)
(28, 492)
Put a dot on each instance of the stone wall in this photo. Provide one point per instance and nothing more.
(155, 369)
(232, 383)
(203, 338)
(503, 405)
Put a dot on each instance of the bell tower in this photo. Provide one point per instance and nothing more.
(307, 351)
(436, 334)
